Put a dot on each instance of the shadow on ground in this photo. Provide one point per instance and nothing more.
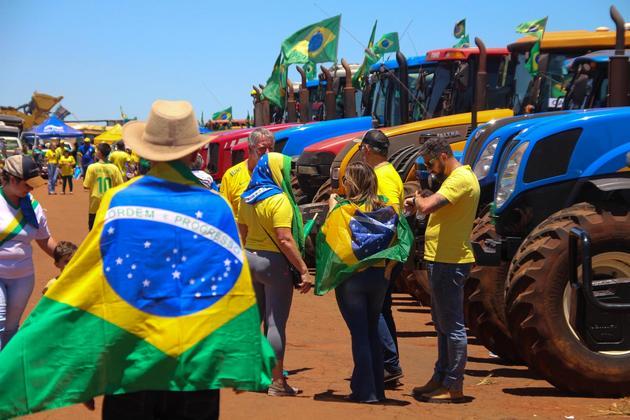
(330, 396)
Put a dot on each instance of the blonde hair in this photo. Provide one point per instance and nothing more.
(361, 185)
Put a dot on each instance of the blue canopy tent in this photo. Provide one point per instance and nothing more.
(53, 127)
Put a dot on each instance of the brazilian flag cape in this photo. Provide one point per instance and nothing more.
(352, 239)
(158, 297)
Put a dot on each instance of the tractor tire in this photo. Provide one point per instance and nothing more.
(484, 300)
(323, 193)
(539, 300)
(300, 197)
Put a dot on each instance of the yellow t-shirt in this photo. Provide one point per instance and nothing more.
(99, 178)
(389, 184)
(234, 183)
(59, 152)
(120, 159)
(51, 157)
(66, 164)
(447, 238)
(261, 220)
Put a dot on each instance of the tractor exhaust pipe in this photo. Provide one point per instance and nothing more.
(305, 109)
(349, 100)
(291, 105)
(618, 66)
(479, 101)
(329, 98)
(263, 117)
(404, 91)
(257, 106)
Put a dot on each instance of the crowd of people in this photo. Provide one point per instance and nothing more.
(258, 191)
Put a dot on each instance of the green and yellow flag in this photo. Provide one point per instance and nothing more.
(387, 44)
(359, 76)
(225, 114)
(310, 69)
(316, 43)
(464, 42)
(532, 62)
(459, 30)
(275, 89)
(158, 297)
(351, 239)
(534, 27)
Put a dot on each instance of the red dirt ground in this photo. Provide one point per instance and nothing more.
(319, 359)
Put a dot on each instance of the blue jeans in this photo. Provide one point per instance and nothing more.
(14, 295)
(360, 300)
(387, 328)
(447, 312)
(52, 177)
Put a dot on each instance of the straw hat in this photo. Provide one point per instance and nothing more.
(170, 133)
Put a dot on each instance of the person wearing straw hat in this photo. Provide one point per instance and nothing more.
(22, 220)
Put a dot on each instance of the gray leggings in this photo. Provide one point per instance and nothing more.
(14, 295)
(274, 293)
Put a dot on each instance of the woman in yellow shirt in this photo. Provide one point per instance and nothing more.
(271, 227)
(66, 166)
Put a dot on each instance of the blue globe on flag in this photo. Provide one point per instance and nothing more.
(372, 232)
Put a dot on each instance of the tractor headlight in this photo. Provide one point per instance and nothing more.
(506, 181)
(482, 167)
(334, 174)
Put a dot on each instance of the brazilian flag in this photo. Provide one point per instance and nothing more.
(534, 27)
(387, 44)
(463, 42)
(225, 114)
(275, 89)
(316, 43)
(532, 62)
(310, 69)
(459, 30)
(352, 239)
(359, 77)
(158, 297)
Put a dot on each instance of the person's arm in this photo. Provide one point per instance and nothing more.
(289, 248)
(47, 245)
(89, 178)
(428, 205)
(242, 229)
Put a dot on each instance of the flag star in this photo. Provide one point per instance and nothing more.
(146, 283)
(147, 244)
(197, 295)
(107, 269)
(191, 281)
(225, 275)
(214, 287)
(227, 262)
(127, 256)
(175, 250)
(173, 266)
(199, 214)
(184, 258)
(111, 230)
(214, 278)
(119, 261)
(176, 274)
(129, 275)
(235, 261)
(195, 236)
(133, 266)
(228, 268)
(168, 259)
(203, 279)
(214, 293)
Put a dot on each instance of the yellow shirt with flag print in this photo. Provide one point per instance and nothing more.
(447, 237)
(262, 218)
(99, 178)
(389, 184)
(234, 184)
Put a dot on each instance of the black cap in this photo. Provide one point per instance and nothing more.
(377, 140)
(24, 167)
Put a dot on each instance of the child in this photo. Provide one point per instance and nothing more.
(62, 254)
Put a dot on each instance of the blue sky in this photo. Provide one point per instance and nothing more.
(101, 55)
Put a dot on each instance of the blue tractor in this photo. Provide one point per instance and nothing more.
(586, 87)
(560, 233)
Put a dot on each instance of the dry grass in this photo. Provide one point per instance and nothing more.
(488, 380)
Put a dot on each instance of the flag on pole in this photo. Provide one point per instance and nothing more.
(351, 239)
(317, 43)
(275, 89)
(61, 112)
(532, 62)
(358, 78)
(459, 30)
(225, 114)
(534, 27)
(310, 69)
(387, 44)
(138, 308)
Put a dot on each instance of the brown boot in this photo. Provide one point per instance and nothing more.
(426, 388)
(443, 396)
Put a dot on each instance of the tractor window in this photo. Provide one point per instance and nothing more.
(524, 84)
(378, 104)
(441, 83)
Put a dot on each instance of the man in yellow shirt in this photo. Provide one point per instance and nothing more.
(449, 257)
(120, 157)
(51, 161)
(100, 177)
(375, 149)
(66, 167)
(236, 179)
